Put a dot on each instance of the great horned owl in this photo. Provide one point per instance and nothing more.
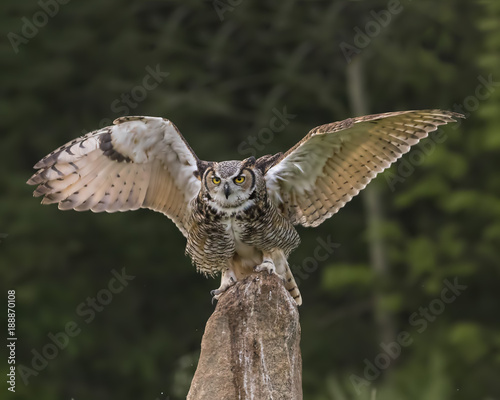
(238, 216)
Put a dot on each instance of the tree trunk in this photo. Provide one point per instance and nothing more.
(251, 345)
(372, 199)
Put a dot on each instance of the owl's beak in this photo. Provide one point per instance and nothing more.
(227, 191)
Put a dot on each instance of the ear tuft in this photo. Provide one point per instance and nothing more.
(248, 162)
(202, 167)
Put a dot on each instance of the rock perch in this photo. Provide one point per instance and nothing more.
(251, 345)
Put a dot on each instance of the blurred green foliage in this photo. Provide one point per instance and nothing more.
(226, 77)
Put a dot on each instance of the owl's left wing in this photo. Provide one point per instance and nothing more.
(325, 170)
(138, 162)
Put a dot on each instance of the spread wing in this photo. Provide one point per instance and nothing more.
(138, 162)
(325, 170)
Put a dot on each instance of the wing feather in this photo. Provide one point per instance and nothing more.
(76, 197)
(88, 192)
(334, 162)
(110, 202)
(85, 175)
(138, 162)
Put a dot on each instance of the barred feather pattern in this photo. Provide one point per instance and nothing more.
(333, 162)
(138, 162)
(212, 246)
(145, 162)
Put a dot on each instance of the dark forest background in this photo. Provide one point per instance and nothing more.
(225, 69)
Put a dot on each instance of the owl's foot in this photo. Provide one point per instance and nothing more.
(228, 280)
(266, 265)
(223, 287)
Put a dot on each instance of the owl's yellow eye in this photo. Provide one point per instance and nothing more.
(216, 180)
(239, 179)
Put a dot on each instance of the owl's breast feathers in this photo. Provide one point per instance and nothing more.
(215, 237)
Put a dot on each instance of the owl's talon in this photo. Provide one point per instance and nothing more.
(216, 293)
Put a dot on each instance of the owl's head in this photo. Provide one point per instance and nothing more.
(231, 184)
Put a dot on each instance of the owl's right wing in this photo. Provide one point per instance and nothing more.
(139, 162)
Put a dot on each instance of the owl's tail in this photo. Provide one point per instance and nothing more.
(291, 286)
